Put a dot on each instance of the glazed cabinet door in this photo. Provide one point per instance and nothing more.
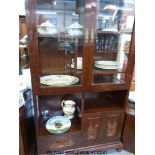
(112, 127)
(91, 127)
(58, 38)
(111, 41)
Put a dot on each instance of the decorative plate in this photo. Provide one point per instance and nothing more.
(106, 63)
(58, 124)
(59, 80)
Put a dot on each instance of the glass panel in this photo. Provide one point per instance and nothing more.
(114, 26)
(60, 26)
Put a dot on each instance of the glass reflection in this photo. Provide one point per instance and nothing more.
(114, 26)
(60, 26)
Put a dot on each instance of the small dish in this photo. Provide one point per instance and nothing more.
(58, 124)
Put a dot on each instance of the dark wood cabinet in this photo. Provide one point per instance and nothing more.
(129, 133)
(78, 52)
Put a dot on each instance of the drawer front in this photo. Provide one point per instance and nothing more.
(112, 126)
(91, 127)
(56, 143)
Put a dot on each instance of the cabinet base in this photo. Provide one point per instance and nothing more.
(99, 148)
(91, 149)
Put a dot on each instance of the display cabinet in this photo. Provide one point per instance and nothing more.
(81, 51)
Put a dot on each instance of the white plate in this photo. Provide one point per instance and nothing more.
(106, 63)
(59, 80)
(106, 67)
(110, 30)
(126, 30)
(58, 124)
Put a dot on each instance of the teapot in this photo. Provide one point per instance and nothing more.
(68, 107)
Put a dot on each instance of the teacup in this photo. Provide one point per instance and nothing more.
(78, 62)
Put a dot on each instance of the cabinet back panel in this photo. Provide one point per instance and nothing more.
(104, 101)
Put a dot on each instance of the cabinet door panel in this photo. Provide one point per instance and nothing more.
(60, 27)
(92, 126)
(113, 125)
(111, 37)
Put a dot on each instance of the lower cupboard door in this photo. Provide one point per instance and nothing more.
(91, 129)
(112, 127)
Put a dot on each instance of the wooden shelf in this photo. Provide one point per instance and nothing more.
(109, 71)
(75, 126)
(69, 70)
(106, 78)
(107, 32)
(114, 32)
(63, 36)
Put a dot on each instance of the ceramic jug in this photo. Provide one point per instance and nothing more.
(68, 107)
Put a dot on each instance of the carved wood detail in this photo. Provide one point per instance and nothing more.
(62, 142)
(112, 125)
(92, 131)
(111, 128)
(93, 128)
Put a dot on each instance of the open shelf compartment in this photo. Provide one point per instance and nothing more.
(52, 106)
(104, 101)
